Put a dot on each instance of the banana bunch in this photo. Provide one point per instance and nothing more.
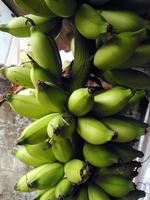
(79, 143)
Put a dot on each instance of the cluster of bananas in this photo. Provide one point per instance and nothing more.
(80, 143)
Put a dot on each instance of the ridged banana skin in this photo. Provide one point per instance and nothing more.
(111, 101)
(37, 74)
(96, 193)
(119, 49)
(22, 155)
(136, 79)
(73, 170)
(46, 177)
(62, 8)
(36, 7)
(134, 195)
(17, 75)
(126, 153)
(37, 131)
(126, 130)
(115, 186)
(93, 131)
(42, 151)
(61, 126)
(82, 193)
(28, 106)
(80, 102)
(126, 170)
(62, 149)
(18, 27)
(140, 57)
(52, 95)
(63, 188)
(48, 195)
(89, 23)
(123, 21)
(45, 51)
(99, 155)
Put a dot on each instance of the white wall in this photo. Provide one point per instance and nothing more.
(9, 45)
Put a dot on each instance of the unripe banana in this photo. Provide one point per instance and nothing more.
(119, 49)
(62, 8)
(28, 106)
(82, 193)
(62, 149)
(38, 74)
(19, 27)
(126, 129)
(111, 101)
(93, 131)
(89, 23)
(37, 131)
(45, 51)
(17, 75)
(42, 151)
(136, 79)
(126, 153)
(80, 102)
(51, 95)
(96, 193)
(24, 59)
(63, 125)
(125, 169)
(47, 176)
(115, 186)
(99, 155)
(48, 195)
(134, 195)
(76, 171)
(63, 189)
(36, 7)
(23, 155)
(123, 21)
(140, 57)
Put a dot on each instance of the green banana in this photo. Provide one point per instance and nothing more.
(17, 75)
(45, 176)
(111, 101)
(96, 193)
(23, 155)
(62, 8)
(63, 189)
(140, 57)
(42, 151)
(39, 74)
(28, 105)
(99, 155)
(123, 21)
(89, 23)
(93, 130)
(45, 51)
(128, 78)
(139, 94)
(51, 95)
(62, 149)
(119, 49)
(76, 171)
(36, 132)
(36, 7)
(126, 129)
(61, 125)
(134, 195)
(80, 102)
(19, 27)
(116, 186)
(48, 195)
(24, 59)
(82, 194)
(125, 169)
(126, 153)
